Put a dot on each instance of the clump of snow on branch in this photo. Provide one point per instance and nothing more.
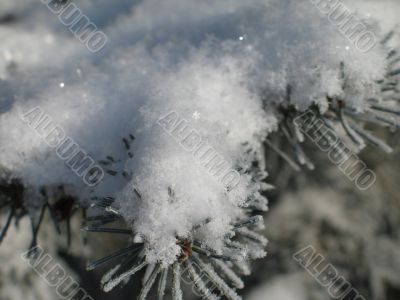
(224, 60)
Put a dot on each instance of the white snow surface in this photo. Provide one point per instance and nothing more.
(221, 60)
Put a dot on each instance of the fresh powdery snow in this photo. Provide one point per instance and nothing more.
(214, 70)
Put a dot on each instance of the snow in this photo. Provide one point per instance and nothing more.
(224, 61)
